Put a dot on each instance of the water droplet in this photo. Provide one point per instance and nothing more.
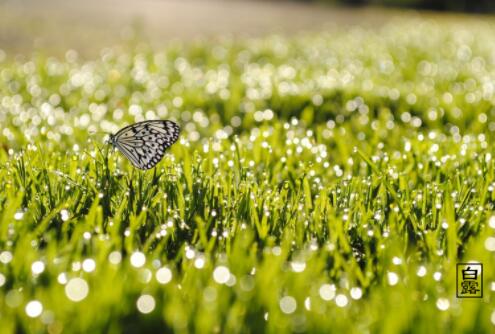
(356, 293)
(491, 222)
(145, 276)
(76, 289)
(276, 250)
(490, 244)
(18, 215)
(37, 267)
(163, 275)
(89, 265)
(421, 271)
(288, 304)
(231, 281)
(64, 214)
(210, 294)
(327, 291)
(146, 304)
(298, 266)
(62, 278)
(190, 253)
(199, 263)
(341, 300)
(115, 257)
(138, 259)
(221, 274)
(5, 257)
(393, 278)
(34, 309)
(13, 298)
(307, 303)
(443, 304)
(247, 283)
(47, 317)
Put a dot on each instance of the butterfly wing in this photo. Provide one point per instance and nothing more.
(144, 143)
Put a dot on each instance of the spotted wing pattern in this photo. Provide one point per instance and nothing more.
(144, 143)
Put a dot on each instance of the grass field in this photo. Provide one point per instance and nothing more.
(322, 183)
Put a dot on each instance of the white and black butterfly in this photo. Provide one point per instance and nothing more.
(144, 143)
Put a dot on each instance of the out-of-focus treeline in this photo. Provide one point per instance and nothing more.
(478, 6)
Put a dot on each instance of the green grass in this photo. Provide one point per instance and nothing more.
(333, 181)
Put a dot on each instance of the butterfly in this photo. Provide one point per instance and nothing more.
(144, 143)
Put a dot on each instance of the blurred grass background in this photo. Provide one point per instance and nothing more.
(334, 166)
(479, 6)
(54, 26)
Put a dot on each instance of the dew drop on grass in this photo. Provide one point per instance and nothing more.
(47, 317)
(138, 259)
(341, 300)
(34, 309)
(62, 278)
(76, 266)
(163, 275)
(307, 303)
(156, 263)
(145, 276)
(276, 251)
(76, 289)
(190, 253)
(145, 304)
(288, 304)
(393, 278)
(298, 266)
(18, 215)
(421, 271)
(247, 283)
(199, 263)
(491, 222)
(356, 293)
(231, 281)
(5, 257)
(327, 292)
(64, 215)
(115, 257)
(13, 298)
(221, 274)
(210, 294)
(490, 244)
(89, 265)
(443, 304)
(37, 267)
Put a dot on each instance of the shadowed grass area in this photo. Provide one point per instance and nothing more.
(322, 183)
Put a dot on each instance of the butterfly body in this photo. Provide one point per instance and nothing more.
(144, 143)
